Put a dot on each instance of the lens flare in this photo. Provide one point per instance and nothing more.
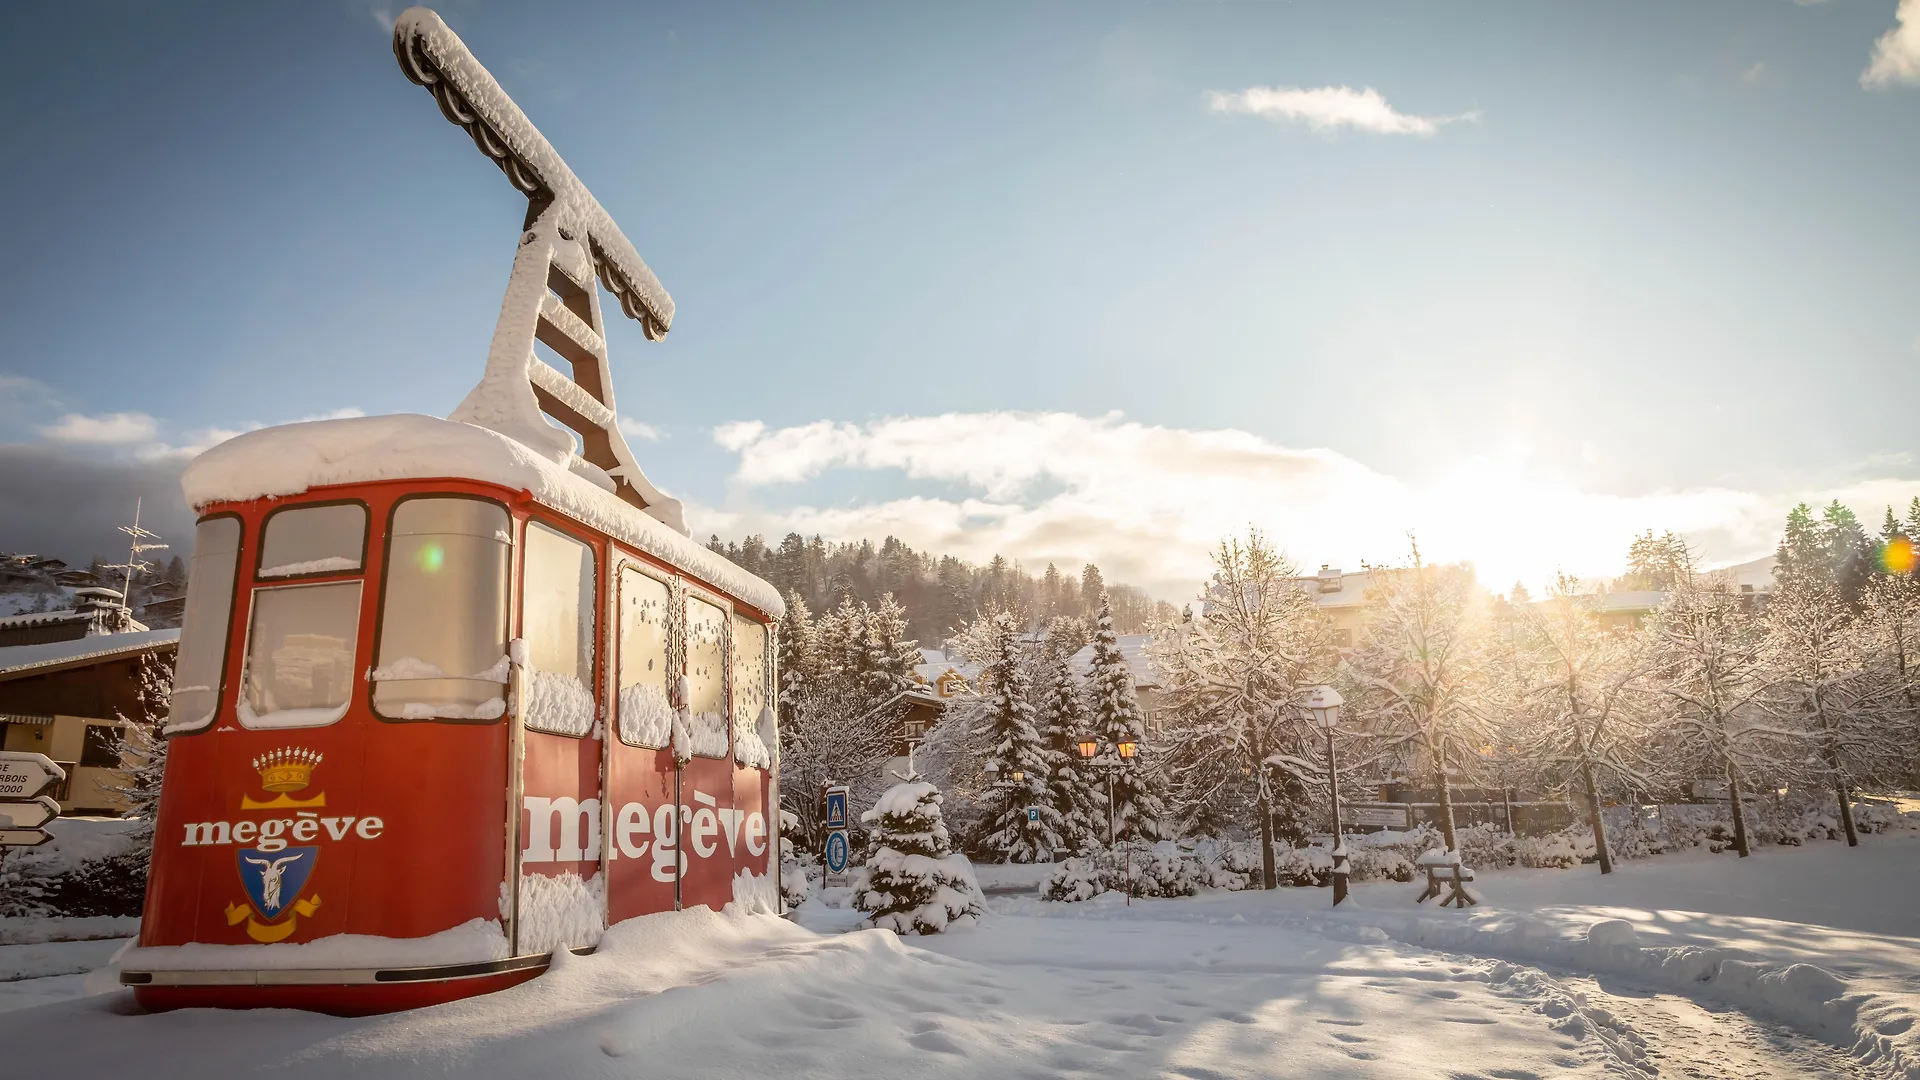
(1899, 556)
(432, 558)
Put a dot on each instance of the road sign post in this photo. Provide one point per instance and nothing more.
(836, 852)
(25, 780)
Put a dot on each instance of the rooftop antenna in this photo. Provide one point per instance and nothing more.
(567, 239)
(137, 538)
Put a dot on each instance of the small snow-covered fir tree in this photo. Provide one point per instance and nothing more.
(143, 752)
(916, 882)
(1018, 764)
(1137, 804)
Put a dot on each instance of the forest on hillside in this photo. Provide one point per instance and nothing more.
(940, 593)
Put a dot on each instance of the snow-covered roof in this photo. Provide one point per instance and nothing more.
(43, 618)
(18, 661)
(1133, 649)
(293, 458)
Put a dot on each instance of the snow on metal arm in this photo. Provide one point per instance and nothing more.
(568, 239)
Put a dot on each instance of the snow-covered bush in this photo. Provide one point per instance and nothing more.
(1157, 869)
(91, 867)
(1226, 864)
(1485, 847)
(1557, 850)
(916, 883)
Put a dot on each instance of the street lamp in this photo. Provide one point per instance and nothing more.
(1323, 704)
(1127, 750)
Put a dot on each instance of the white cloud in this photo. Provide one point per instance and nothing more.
(1896, 56)
(1326, 109)
(1147, 503)
(111, 429)
(635, 428)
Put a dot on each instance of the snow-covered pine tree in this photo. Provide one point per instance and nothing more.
(1423, 673)
(1237, 746)
(1073, 789)
(143, 753)
(1582, 725)
(1018, 764)
(1137, 804)
(891, 655)
(1704, 646)
(1890, 626)
(916, 883)
(799, 660)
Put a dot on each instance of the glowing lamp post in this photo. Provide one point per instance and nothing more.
(1323, 704)
(1127, 750)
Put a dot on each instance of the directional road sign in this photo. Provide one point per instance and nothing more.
(23, 837)
(28, 815)
(27, 776)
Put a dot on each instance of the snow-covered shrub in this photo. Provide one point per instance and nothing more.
(91, 867)
(1556, 850)
(916, 883)
(1303, 867)
(1226, 864)
(1151, 869)
(1485, 846)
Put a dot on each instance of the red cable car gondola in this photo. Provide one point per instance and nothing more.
(453, 694)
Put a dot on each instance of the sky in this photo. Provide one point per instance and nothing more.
(1070, 282)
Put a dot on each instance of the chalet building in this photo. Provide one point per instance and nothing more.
(64, 698)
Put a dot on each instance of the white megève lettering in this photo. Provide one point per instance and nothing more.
(756, 833)
(305, 829)
(270, 833)
(705, 824)
(730, 828)
(668, 862)
(370, 827)
(631, 823)
(577, 821)
(207, 832)
(243, 831)
(337, 827)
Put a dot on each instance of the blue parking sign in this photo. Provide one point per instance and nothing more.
(1033, 813)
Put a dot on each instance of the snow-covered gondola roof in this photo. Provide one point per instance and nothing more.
(294, 458)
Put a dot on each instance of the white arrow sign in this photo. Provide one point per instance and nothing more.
(23, 837)
(26, 776)
(28, 815)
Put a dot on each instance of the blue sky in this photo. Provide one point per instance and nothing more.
(1595, 268)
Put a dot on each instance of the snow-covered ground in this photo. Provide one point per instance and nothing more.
(1694, 979)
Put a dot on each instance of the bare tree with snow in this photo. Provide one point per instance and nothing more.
(1233, 685)
(1424, 673)
(1581, 709)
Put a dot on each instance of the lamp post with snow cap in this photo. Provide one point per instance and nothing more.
(1126, 750)
(1323, 704)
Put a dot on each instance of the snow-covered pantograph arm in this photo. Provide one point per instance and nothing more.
(568, 240)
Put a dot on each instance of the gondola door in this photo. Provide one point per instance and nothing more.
(749, 688)
(706, 787)
(643, 858)
(561, 893)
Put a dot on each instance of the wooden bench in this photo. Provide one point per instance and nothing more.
(1450, 879)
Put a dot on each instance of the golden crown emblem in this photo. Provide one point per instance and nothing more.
(286, 769)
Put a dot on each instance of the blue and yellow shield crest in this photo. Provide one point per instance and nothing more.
(273, 879)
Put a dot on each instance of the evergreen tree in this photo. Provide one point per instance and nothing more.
(917, 883)
(1136, 805)
(892, 656)
(1018, 762)
(1073, 789)
(143, 753)
(799, 659)
(1092, 590)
